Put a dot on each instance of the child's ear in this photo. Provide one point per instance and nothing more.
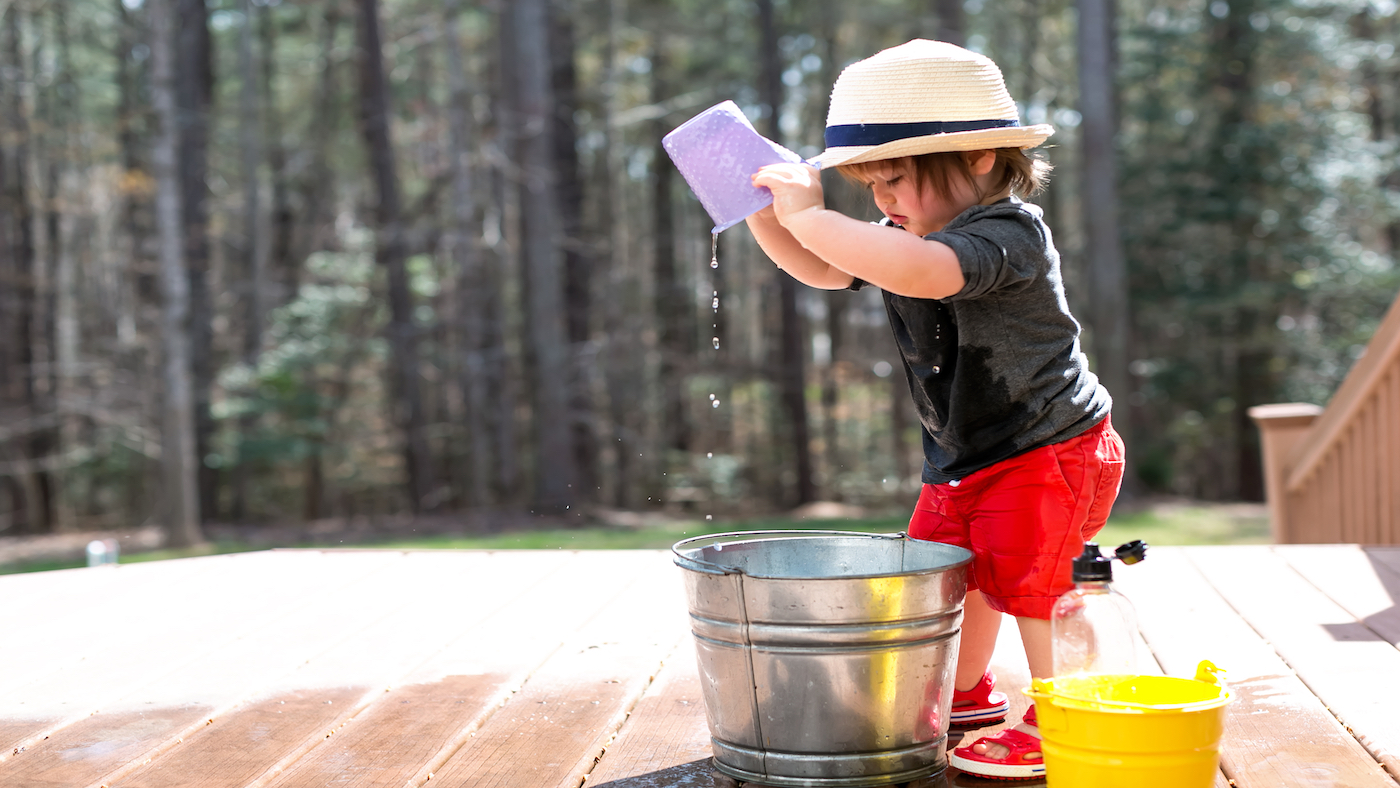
(980, 162)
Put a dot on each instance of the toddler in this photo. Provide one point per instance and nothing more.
(1021, 463)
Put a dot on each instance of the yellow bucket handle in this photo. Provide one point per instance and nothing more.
(1207, 672)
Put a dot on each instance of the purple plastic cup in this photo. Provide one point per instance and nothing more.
(717, 152)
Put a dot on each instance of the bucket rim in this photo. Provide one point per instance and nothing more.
(1224, 697)
(707, 567)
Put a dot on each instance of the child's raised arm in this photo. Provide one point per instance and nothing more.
(792, 256)
(887, 257)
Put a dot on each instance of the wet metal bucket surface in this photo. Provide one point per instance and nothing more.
(826, 657)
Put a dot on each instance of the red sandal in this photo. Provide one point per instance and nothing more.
(1017, 764)
(979, 706)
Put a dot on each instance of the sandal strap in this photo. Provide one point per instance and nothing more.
(1017, 742)
(979, 693)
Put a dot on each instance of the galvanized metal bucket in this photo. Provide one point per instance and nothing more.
(826, 657)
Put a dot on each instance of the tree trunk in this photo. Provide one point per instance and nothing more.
(503, 216)
(194, 86)
(178, 459)
(24, 390)
(1245, 364)
(675, 333)
(390, 253)
(283, 270)
(620, 359)
(578, 263)
(1108, 278)
(251, 144)
(837, 301)
(316, 185)
(792, 350)
(474, 297)
(534, 153)
(139, 290)
(254, 272)
(63, 169)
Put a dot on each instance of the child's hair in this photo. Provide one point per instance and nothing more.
(1024, 172)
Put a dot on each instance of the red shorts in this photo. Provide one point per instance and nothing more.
(1026, 518)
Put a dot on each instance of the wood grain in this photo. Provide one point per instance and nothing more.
(1367, 589)
(664, 734)
(552, 731)
(429, 713)
(361, 641)
(1276, 733)
(1316, 636)
(121, 720)
(537, 669)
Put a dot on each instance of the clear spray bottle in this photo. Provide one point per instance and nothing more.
(1093, 629)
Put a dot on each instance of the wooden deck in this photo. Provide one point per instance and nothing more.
(538, 669)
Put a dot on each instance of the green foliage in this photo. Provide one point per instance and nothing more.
(315, 391)
(1250, 207)
(1259, 207)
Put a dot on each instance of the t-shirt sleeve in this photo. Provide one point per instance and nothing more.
(1001, 249)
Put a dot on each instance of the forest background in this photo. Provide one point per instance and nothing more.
(268, 261)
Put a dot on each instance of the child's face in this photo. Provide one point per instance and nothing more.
(895, 190)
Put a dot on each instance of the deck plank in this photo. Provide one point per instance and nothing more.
(1315, 636)
(192, 616)
(665, 741)
(1369, 590)
(433, 711)
(300, 706)
(139, 718)
(524, 669)
(551, 732)
(1389, 556)
(1276, 733)
(105, 609)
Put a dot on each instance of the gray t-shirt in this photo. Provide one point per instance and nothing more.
(995, 370)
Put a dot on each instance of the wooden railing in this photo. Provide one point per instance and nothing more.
(1333, 475)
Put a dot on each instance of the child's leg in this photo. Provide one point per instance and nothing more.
(979, 639)
(1035, 638)
(1067, 506)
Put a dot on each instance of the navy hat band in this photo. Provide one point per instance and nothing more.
(861, 134)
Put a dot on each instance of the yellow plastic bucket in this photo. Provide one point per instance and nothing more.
(1131, 731)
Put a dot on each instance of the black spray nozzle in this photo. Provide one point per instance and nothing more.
(1132, 552)
(1092, 565)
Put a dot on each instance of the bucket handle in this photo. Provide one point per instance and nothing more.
(1050, 716)
(1207, 672)
(706, 567)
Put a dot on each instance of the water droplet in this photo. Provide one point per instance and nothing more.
(716, 341)
(709, 454)
(714, 303)
(712, 398)
(714, 404)
(935, 369)
(709, 517)
(714, 250)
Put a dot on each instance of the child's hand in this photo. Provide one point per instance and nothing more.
(796, 188)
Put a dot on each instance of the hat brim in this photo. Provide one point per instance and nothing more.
(985, 139)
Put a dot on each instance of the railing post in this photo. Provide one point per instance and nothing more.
(1280, 428)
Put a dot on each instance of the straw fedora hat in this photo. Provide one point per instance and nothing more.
(922, 97)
